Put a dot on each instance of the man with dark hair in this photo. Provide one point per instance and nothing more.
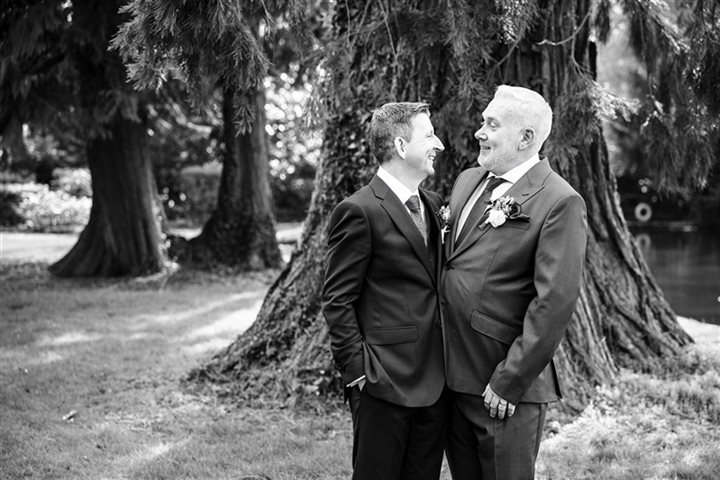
(381, 306)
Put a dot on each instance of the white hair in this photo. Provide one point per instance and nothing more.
(530, 108)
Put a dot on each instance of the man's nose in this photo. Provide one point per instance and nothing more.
(479, 135)
(439, 145)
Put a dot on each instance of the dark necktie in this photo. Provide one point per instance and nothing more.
(478, 210)
(413, 204)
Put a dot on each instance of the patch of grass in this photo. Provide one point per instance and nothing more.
(114, 351)
(256, 443)
(644, 427)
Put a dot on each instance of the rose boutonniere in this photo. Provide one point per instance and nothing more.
(502, 209)
(444, 216)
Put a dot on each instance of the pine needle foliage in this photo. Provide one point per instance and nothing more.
(454, 53)
(41, 46)
(36, 76)
(678, 44)
(208, 45)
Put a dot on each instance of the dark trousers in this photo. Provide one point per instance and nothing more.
(480, 447)
(394, 442)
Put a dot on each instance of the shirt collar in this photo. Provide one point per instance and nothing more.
(400, 190)
(517, 173)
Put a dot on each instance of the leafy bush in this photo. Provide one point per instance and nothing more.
(199, 184)
(45, 210)
(73, 181)
(9, 209)
(291, 192)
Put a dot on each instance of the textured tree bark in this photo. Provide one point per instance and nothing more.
(124, 233)
(286, 352)
(621, 318)
(241, 231)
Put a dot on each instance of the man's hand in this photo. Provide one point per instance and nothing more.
(498, 407)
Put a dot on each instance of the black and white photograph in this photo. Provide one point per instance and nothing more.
(360, 240)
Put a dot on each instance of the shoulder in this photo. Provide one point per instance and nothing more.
(471, 172)
(356, 204)
(432, 197)
(561, 188)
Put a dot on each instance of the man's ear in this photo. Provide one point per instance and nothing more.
(400, 146)
(527, 139)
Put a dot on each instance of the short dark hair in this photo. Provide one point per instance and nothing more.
(390, 121)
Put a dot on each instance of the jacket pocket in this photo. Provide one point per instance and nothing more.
(492, 328)
(520, 223)
(391, 336)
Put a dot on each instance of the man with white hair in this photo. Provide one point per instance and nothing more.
(511, 277)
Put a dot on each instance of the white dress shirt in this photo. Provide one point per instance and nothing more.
(400, 190)
(511, 177)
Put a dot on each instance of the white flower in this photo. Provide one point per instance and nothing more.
(444, 215)
(496, 218)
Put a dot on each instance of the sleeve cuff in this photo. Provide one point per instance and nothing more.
(355, 382)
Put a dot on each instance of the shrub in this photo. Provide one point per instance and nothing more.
(73, 181)
(200, 185)
(45, 210)
(9, 209)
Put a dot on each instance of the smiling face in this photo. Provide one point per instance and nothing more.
(421, 147)
(515, 124)
(500, 137)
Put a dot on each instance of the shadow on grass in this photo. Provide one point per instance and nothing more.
(89, 389)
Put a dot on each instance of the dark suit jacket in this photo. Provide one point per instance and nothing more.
(508, 293)
(380, 296)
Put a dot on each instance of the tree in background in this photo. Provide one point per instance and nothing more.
(640, 182)
(453, 55)
(55, 66)
(217, 45)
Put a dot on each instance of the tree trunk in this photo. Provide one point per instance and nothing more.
(123, 235)
(285, 354)
(621, 317)
(241, 231)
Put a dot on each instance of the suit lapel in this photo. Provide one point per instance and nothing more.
(401, 218)
(431, 211)
(523, 190)
(457, 203)
(530, 183)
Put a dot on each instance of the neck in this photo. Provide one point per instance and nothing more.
(503, 169)
(403, 176)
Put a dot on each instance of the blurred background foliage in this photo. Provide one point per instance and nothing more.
(48, 187)
(45, 185)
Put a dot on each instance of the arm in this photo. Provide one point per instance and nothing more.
(349, 252)
(559, 261)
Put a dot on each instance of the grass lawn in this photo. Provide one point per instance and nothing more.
(89, 389)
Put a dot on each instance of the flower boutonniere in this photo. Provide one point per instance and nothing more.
(502, 209)
(444, 216)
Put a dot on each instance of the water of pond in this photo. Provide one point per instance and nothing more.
(686, 265)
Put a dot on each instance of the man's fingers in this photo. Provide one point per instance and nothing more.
(494, 402)
(502, 408)
(510, 410)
